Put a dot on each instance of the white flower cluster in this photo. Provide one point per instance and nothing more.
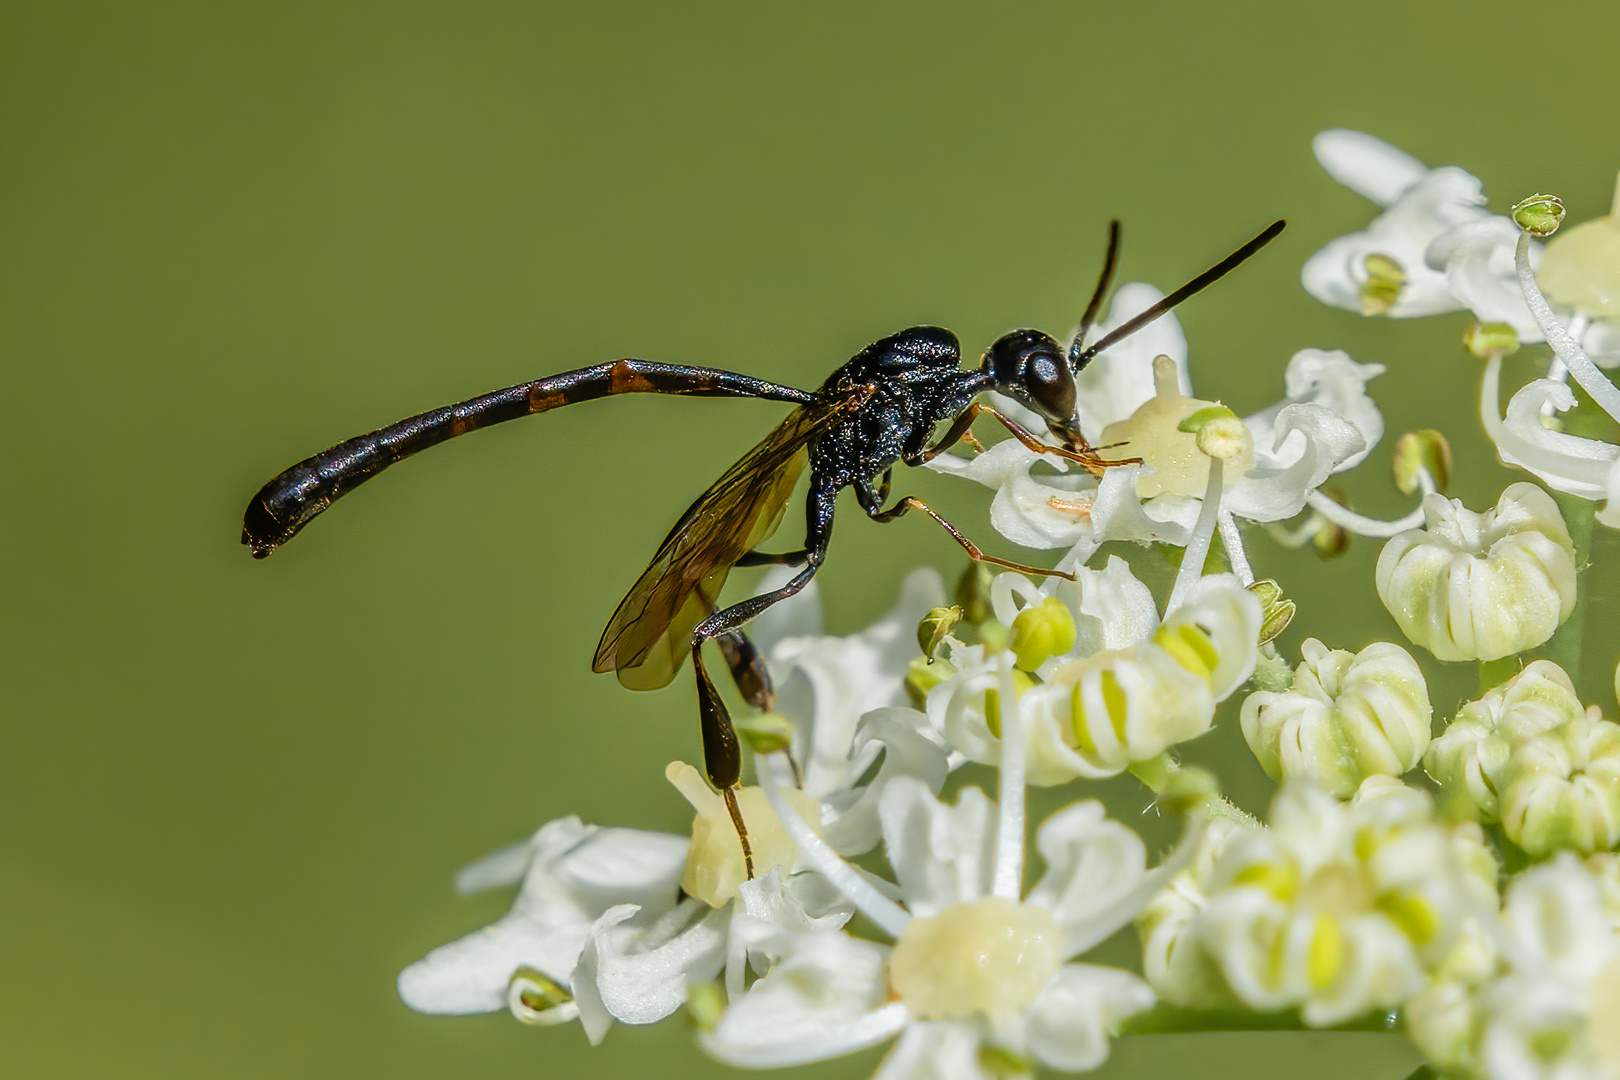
(1475, 908)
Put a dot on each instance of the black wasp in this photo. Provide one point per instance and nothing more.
(880, 408)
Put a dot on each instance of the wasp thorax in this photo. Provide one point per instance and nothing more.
(1033, 369)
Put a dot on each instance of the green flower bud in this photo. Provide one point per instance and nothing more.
(1539, 215)
(935, 627)
(705, 1004)
(1418, 452)
(1041, 631)
(1486, 340)
(766, 732)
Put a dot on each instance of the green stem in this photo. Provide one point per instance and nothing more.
(1564, 649)
(1165, 1019)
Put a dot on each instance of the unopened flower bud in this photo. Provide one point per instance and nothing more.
(1539, 215)
(1489, 339)
(1129, 705)
(1562, 789)
(1473, 586)
(1346, 718)
(766, 732)
(1419, 452)
(1041, 631)
(923, 675)
(705, 1004)
(935, 627)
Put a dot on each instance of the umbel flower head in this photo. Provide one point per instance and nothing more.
(1472, 586)
(1345, 719)
(1336, 909)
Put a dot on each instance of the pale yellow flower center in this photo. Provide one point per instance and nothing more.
(714, 863)
(981, 957)
(1171, 459)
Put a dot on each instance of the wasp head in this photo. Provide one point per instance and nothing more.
(1030, 367)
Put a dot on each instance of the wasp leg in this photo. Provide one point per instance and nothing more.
(748, 670)
(753, 680)
(870, 504)
(766, 558)
(722, 755)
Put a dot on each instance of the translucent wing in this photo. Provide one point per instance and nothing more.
(650, 634)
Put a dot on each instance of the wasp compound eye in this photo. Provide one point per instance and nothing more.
(1032, 368)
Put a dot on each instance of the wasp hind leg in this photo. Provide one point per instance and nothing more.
(722, 753)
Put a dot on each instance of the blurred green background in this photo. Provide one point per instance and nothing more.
(234, 793)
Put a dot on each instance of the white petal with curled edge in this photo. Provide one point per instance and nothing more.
(1570, 463)
(935, 1051)
(1046, 511)
(941, 855)
(1311, 444)
(851, 823)
(1078, 1010)
(1091, 863)
(825, 998)
(1367, 166)
(1118, 513)
(1120, 378)
(1477, 259)
(1337, 383)
(618, 980)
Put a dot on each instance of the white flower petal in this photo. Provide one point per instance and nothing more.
(1116, 609)
(1366, 165)
(825, 998)
(1477, 259)
(937, 1051)
(1569, 463)
(1311, 444)
(1439, 200)
(471, 975)
(1337, 383)
(942, 855)
(620, 978)
(1091, 863)
(850, 820)
(1078, 1010)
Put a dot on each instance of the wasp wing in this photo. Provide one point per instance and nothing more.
(650, 634)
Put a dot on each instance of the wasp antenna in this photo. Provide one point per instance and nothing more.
(1107, 275)
(1197, 284)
